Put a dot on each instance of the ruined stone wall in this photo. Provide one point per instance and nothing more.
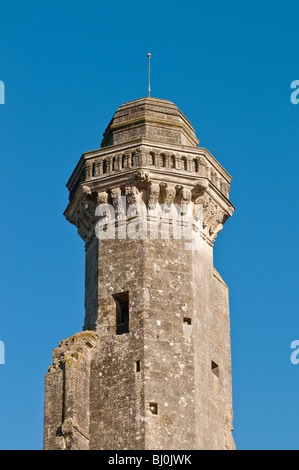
(67, 383)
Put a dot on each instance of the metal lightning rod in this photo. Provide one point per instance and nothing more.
(149, 74)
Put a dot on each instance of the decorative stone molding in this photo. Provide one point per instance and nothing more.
(168, 194)
(209, 211)
(143, 159)
(141, 179)
(131, 193)
(139, 162)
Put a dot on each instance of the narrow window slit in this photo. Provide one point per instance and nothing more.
(122, 312)
(153, 407)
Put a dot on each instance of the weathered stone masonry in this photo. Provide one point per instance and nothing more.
(162, 378)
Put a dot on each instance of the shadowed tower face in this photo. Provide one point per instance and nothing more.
(152, 367)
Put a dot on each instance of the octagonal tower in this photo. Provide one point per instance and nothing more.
(152, 367)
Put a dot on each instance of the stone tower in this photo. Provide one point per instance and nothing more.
(152, 367)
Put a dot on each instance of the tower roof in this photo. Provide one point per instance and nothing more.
(149, 118)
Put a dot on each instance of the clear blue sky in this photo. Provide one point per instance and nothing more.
(67, 66)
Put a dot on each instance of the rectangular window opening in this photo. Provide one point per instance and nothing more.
(153, 407)
(187, 320)
(122, 312)
(138, 366)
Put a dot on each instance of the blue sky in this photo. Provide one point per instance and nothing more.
(67, 66)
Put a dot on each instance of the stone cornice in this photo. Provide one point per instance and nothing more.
(162, 176)
(147, 146)
(130, 145)
(150, 188)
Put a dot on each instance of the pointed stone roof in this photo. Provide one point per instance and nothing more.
(151, 119)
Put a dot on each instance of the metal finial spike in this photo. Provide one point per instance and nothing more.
(149, 74)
